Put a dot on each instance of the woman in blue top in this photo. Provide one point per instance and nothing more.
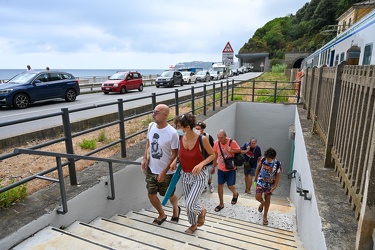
(267, 176)
(253, 155)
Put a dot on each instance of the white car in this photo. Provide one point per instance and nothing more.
(214, 75)
(203, 76)
(189, 77)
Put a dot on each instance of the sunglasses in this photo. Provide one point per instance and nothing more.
(156, 112)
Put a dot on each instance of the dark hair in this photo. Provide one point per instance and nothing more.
(270, 153)
(201, 124)
(185, 120)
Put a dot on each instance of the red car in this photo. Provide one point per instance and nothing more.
(121, 82)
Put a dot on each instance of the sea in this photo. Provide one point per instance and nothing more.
(6, 74)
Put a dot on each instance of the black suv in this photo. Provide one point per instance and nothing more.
(169, 78)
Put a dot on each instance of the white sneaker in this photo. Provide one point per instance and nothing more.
(211, 188)
(205, 189)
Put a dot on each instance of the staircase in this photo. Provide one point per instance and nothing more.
(235, 227)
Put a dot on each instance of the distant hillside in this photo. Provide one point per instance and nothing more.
(299, 32)
(194, 64)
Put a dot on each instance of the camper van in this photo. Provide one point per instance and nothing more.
(223, 71)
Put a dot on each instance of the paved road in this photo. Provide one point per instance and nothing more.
(94, 100)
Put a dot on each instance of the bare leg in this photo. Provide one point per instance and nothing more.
(157, 205)
(259, 198)
(174, 201)
(220, 191)
(267, 204)
(234, 191)
(248, 181)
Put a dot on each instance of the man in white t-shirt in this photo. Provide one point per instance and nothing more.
(161, 150)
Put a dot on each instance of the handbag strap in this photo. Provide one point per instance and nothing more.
(204, 153)
(222, 154)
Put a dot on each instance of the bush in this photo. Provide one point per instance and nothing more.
(17, 194)
(88, 144)
(279, 68)
(102, 137)
(237, 98)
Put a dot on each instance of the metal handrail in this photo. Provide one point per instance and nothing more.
(299, 189)
(59, 167)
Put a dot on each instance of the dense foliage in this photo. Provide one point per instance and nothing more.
(299, 32)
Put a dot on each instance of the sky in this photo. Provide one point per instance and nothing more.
(138, 34)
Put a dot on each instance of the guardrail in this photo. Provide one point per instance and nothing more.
(299, 189)
(59, 169)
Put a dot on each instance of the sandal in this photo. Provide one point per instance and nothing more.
(191, 229)
(218, 208)
(265, 222)
(201, 218)
(175, 219)
(260, 208)
(234, 200)
(159, 222)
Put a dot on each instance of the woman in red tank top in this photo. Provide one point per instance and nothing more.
(194, 174)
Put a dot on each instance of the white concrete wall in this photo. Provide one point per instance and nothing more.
(269, 123)
(308, 219)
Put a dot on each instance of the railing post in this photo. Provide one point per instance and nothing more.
(112, 182)
(213, 96)
(232, 95)
(275, 94)
(60, 173)
(204, 99)
(177, 102)
(253, 92)
(221, 94)
(153, 100)
(121, 118)
(69, 146)
(192, 100)
(227, 92)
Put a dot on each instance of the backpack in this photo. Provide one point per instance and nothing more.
(276, 162)
(239, 159)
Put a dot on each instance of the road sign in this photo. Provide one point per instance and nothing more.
(228, 54)
(228, 48)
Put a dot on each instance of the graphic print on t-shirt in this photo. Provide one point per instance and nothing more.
(156, 151)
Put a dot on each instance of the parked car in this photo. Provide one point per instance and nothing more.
(189, 77)
(214, 75)
(235, 71)
(241, 70)
(31, 86)
(122, 82)
(169, 78)
(203, 76)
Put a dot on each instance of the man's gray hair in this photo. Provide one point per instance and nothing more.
(222, 131)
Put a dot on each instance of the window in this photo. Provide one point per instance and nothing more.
(336, 60)
(367, 55)
(55, 77)
(342, 57)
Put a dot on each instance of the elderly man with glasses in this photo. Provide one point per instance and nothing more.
(161, 150)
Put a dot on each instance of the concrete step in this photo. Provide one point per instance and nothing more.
(53, 238)
(236, 226)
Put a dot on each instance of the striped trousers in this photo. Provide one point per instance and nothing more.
(193, 187)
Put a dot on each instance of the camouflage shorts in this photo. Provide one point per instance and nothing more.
(153, 186)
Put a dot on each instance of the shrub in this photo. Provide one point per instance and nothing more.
(88, 144)
(102, 137)
(279, 68)
(17, 194)
(237, 98)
